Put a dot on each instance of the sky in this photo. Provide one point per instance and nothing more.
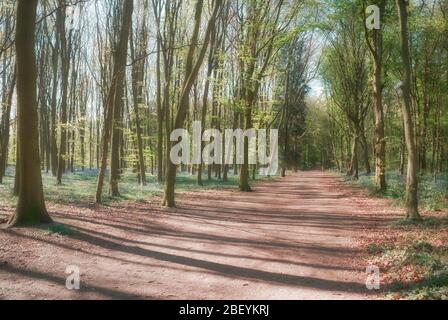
(317, 88)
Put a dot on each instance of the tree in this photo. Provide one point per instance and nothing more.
(5, 126)
(191, 72)
(138, 75)
(31, 208)
(411, 177)
(345, 73)
(65, 48)
(114, 105)
(261, 39)
(375, 44)
(117, 122)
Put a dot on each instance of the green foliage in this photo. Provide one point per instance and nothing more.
(432, 194)
(58, 229)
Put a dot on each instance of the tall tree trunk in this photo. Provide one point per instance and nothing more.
(354, 167)
(65, 70)
(112, 97)
(366, 153)
(138, 75)
(411, 179)
(376, 49)
(4, 141)
(160, 116)
(205, 102)
(16, 188)
(244, 173)
(54, 97)
(31, 205)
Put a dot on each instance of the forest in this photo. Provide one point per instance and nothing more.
(91, 92)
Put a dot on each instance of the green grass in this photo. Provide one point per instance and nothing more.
(80, 187)
(58, 229)
(375, 248)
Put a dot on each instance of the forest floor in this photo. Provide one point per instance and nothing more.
(292, 238)
(300, 237)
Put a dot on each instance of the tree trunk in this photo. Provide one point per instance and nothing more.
(244, 173)
(411, 179)
(54, 95)
(160, 119)
(376, 50)
(366, 153)
(204, 104)
(65, 70)
(4, 141)
(117, 81)
(138, 76)
(31, 205)
(117, 122)
(354, 168)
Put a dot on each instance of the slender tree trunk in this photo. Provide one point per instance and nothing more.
(204, 106)
(112, 97)
(379, 139)
(53, 124)
(376, 49)
(65, 70)
(244, 173)
(411, 179)
(138, 75)
(4, 141)
(160, 116)
(117, 123)
(354, 168)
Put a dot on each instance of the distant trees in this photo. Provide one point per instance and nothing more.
(296, 60)
(262, 27)
(115, 78)
(403, 104)
(345, 73)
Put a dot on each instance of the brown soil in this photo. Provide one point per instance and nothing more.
(292, 238)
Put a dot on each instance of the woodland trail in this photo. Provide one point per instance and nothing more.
(292, 238)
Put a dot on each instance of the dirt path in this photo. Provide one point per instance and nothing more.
(292, 238)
